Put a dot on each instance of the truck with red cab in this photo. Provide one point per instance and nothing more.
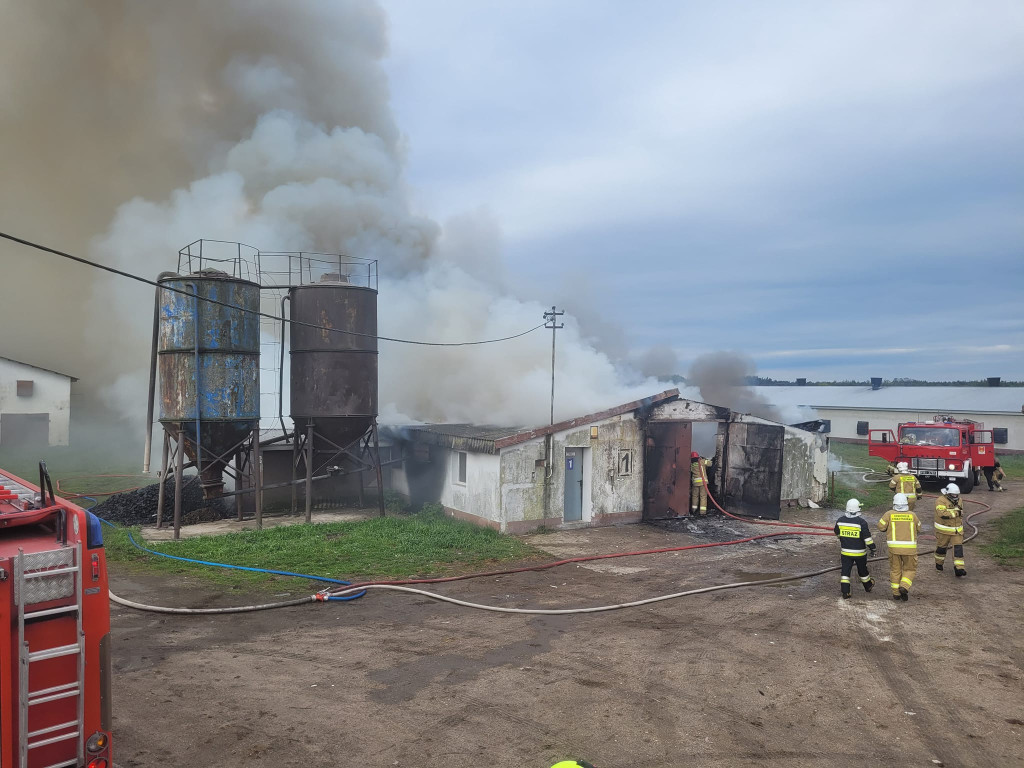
(947, 449)
(55, 643)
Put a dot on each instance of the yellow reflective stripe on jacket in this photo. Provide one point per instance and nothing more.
(902, 544)
(949, 528)
(854, 552)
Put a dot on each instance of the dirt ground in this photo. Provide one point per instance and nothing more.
(781, 675)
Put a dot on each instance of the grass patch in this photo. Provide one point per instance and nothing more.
(390, 547)
(1008, 548)
(875, 497)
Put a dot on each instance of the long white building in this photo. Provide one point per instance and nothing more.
(35, 405)
(854, 410)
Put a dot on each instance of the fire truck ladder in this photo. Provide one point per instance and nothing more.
(43, 577)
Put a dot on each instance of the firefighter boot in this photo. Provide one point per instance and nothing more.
(869, 585)
(958, 560)
(904, 594)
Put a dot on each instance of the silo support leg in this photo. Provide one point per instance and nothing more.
(309, 474)
(295, 470)
(376, 464)
(163, 480)
(179, 470)
(257, 474)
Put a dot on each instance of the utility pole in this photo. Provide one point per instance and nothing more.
(550, 321)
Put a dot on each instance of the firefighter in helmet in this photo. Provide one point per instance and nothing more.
(698, 484)
(949, 529)
(854, 542)
(906, 483)
(902, 526)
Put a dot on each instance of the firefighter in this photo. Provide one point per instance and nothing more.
(993, 475)
(854, 542)
(903, 527)
(698, 484)
(906, 483)
(949, 529)
(890, 469)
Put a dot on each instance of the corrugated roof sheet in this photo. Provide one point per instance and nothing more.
(938, 399)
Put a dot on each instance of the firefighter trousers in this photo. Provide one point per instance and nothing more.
(861, 561)
(902, 569)
(943, 541)
(699, 499)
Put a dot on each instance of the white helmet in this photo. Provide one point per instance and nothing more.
(952, 490)
(852, 506)
(899, 502)
(902, 467)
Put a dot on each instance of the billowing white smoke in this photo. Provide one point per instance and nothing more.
(293, 184)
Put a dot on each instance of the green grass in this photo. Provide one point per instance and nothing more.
(1008, 548)
(874, 497)
(390, 547)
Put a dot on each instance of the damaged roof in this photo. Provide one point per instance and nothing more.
(491, 439)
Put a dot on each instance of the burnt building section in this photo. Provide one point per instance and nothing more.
(621, 465)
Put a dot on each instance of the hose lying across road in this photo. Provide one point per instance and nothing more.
(349, 592)
(823, 531)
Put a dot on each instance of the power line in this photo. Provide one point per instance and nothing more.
(275, 318)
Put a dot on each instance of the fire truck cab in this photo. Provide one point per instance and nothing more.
(55, 646)
(944, 449)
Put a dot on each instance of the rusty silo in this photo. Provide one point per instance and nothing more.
(333, 381)
(334, 365)
(207, 348)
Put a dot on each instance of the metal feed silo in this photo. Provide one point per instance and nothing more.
(334, 364)
(208, 360)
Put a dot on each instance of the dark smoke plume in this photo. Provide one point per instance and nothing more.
(722, 380)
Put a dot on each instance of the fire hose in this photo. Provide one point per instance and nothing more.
(351, 591)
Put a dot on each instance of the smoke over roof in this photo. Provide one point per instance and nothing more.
(722, 380)
(142, 127)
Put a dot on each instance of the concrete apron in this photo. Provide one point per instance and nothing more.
(152, 533)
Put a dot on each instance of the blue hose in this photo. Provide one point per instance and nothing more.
(231, 567)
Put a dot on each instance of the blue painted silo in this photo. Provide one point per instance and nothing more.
(209, 367)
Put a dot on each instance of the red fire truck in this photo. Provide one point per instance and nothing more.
(946, 449)
(55, 652)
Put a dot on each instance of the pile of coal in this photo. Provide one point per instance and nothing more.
(138, 507)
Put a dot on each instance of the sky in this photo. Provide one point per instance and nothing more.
(834, 189)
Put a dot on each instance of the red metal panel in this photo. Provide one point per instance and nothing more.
(667, 469)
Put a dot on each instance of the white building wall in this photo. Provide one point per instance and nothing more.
(51, 394)
(478, 495)
(844, 422)
(610, 495)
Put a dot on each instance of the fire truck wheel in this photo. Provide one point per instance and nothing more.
(968, 483)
